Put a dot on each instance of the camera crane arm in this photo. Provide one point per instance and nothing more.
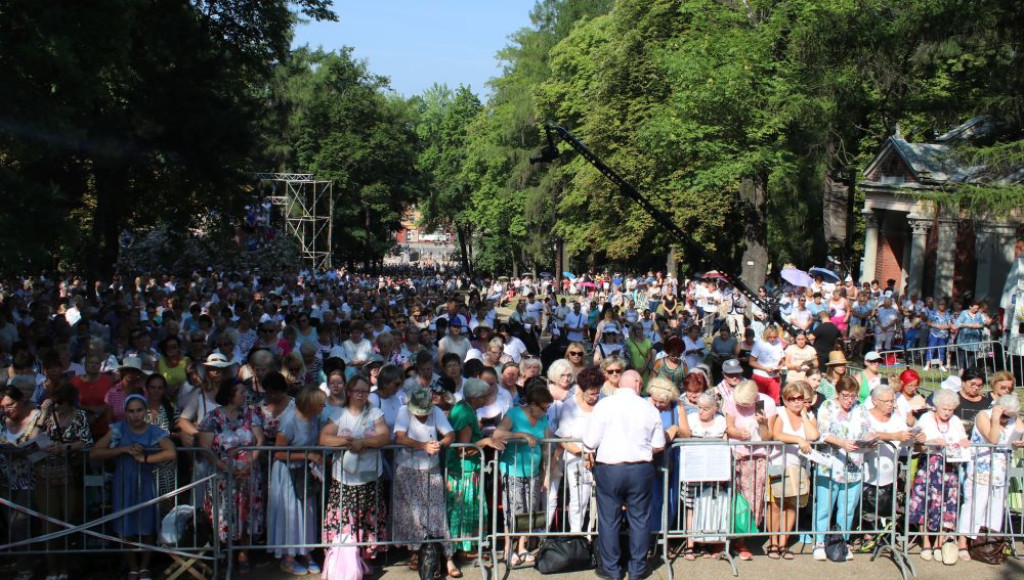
(550, 152)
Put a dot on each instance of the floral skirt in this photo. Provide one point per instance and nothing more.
(751, 478)
(935, 495)
(463, 505)
(418, 508)
(357, 511)
(243, 506)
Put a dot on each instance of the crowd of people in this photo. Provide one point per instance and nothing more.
(416, 379)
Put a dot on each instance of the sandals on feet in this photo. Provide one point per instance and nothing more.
(453, 570)
(414, 562)
(786, 553)
(689, 554)
(773, 553)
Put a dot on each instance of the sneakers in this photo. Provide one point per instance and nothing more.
(849, 553)
(926, 554)
(293, 568)
(819, 554)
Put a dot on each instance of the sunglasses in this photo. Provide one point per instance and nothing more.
(576, 353)
(614, 371)
(795, 399)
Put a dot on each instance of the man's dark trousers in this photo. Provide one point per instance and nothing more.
(617, 485)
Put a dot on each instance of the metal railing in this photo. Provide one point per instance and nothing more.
(701, 481)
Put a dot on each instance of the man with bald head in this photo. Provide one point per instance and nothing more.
(622, 437)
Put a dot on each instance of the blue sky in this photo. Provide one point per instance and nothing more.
(418, 43)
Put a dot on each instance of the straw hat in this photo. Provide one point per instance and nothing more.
(835, 358)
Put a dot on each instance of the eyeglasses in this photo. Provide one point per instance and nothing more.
(884, 401)
(576, 353)
(847, 397)
(614, 371)
(794, 399)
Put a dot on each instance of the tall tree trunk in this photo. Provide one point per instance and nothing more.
(462, 232)
(755, 230)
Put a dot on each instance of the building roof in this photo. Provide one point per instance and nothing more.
(933, 165)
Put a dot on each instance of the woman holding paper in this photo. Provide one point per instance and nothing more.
(842, 423)
(936, 491)
(985, 487)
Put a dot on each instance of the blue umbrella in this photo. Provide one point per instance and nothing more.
(569, 275)
(826, 274)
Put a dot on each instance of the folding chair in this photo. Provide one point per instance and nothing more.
(174, 534)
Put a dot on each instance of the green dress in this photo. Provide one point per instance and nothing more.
(463, 482)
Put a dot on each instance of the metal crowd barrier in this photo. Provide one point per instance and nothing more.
(63, 505)
(989, 355)
(317, 469)
(702, 479)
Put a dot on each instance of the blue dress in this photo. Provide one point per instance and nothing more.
(668, 418)
(134, 482)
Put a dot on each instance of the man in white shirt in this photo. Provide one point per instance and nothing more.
(575, 323)
(624, 433)
(886, 318)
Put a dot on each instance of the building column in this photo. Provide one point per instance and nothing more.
(919, 228)
(867, 266)
(945, 258)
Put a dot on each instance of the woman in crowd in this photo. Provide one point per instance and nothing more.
(575, 353)
(706, 503)
(130, 384)
(871, 376)
(909, 400)
(356, 500)
(790, 483)
(59, 489)
(935, 495)
(336, 399)
(572, 424)
(92, 389)
(939, 324)
(835, 369)
(451, 367)
(531, 367)
(839, 310)
(419, 490)
(293, 514)
(745, 347)
(21, 423)
(638, 350)
(509, 380)
(880, 468)
(985, 488)
(524, 467)
(671, 366)
(842, 423)
(357, 348)
(160, 411)
(275, 404)
(766, 360)
(799, 354)
(463, 465)
(389, 396)
(294, 370)
(664, 395)
(695, 385)
(172, 365)
(747, 416)
(723, 347)
(136, 446)
(1000, 383)
(612, 368)
(224, 431)
(694, 348)
(560, 379)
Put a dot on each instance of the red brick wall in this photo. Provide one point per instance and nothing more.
(889, 263)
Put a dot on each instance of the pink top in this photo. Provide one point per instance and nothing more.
(743, 418)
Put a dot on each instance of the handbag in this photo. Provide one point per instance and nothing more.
(305, 485)
(531, 521)
(559, 554)
(743, 518)
(794, 482)
(988, 549)
(836, 549)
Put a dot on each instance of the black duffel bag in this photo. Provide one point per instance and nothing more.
(560, 554)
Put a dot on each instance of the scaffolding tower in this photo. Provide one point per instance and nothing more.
(307, 205)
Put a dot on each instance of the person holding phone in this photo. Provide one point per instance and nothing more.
(747, 417)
